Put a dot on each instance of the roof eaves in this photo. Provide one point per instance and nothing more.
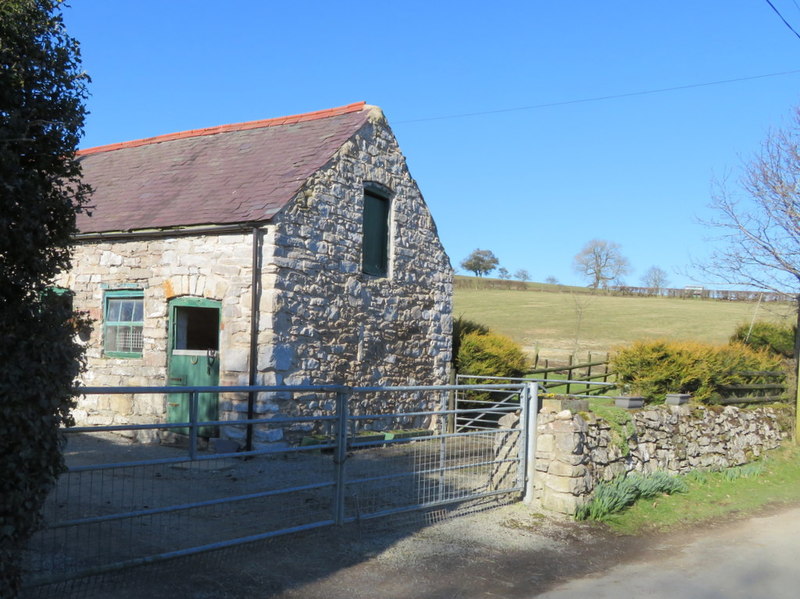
(176, 231)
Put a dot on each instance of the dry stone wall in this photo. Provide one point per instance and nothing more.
(576, 452)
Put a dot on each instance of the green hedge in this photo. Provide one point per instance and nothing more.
(776, 338)
(463, 327)
(654, 368)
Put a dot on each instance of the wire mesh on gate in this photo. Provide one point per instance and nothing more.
(122, 504)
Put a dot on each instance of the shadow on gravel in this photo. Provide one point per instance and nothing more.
(357, 559)
(503, 551)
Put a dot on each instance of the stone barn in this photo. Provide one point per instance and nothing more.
(288, 251)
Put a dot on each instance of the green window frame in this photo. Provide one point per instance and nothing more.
(63, 294)
(375, 247)
(123, 323)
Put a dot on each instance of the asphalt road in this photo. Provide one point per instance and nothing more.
(752, 559)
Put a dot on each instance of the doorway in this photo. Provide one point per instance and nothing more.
(193, 359)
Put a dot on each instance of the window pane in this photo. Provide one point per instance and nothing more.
(124, 338)
(136, 339)
(126, 310)
(113, 310)
(111, 339)
(138, 310)
(129, 339)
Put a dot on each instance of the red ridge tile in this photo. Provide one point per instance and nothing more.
(283, 120)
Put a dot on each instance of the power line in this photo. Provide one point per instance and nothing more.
(598, 98)
(785, 22)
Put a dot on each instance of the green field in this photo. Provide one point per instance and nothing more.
(559, 323)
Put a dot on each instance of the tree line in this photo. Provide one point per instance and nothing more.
(599, 262)
(733, 295)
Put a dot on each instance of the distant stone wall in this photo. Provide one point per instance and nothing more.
(574, 453)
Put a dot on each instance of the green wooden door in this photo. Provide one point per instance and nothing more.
(193, 360)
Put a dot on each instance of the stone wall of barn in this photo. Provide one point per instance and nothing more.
(330, 322)
(213, 267)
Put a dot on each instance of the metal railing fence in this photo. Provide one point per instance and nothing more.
(480, 403)
(349, 456)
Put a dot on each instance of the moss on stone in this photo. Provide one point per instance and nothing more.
(785, 416)
(621, 423)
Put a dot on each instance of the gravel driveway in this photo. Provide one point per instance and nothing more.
(505, 551)
(488, 551)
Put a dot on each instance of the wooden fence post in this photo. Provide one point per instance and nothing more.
(569, 371)
(588, 373)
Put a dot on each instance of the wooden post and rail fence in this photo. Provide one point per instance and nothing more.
(574, 373)
(576, 378)
(762, 386)
(758, 386)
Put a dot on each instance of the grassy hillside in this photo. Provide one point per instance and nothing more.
(558, 323)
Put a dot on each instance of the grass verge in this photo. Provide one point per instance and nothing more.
(716, 495)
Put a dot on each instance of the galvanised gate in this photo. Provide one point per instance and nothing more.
(124, 504)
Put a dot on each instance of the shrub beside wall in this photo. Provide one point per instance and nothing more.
(654, 368)
(482, 353)
(490, 354)
(775, 338)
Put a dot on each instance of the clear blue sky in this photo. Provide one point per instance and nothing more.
(532, 183)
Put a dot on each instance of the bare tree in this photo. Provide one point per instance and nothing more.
(551, 280)
(481, 262)
(503, 273)
(522, 275)
(656, 279)
(601, 262)
(758, 220)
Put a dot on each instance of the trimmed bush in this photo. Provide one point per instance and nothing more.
(463, 327)
(655, 368)
(482, 353)
(776, 338)
(490, 354)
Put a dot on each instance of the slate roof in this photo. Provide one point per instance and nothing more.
(222, 175)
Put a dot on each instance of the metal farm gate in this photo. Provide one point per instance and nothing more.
(139, 494)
